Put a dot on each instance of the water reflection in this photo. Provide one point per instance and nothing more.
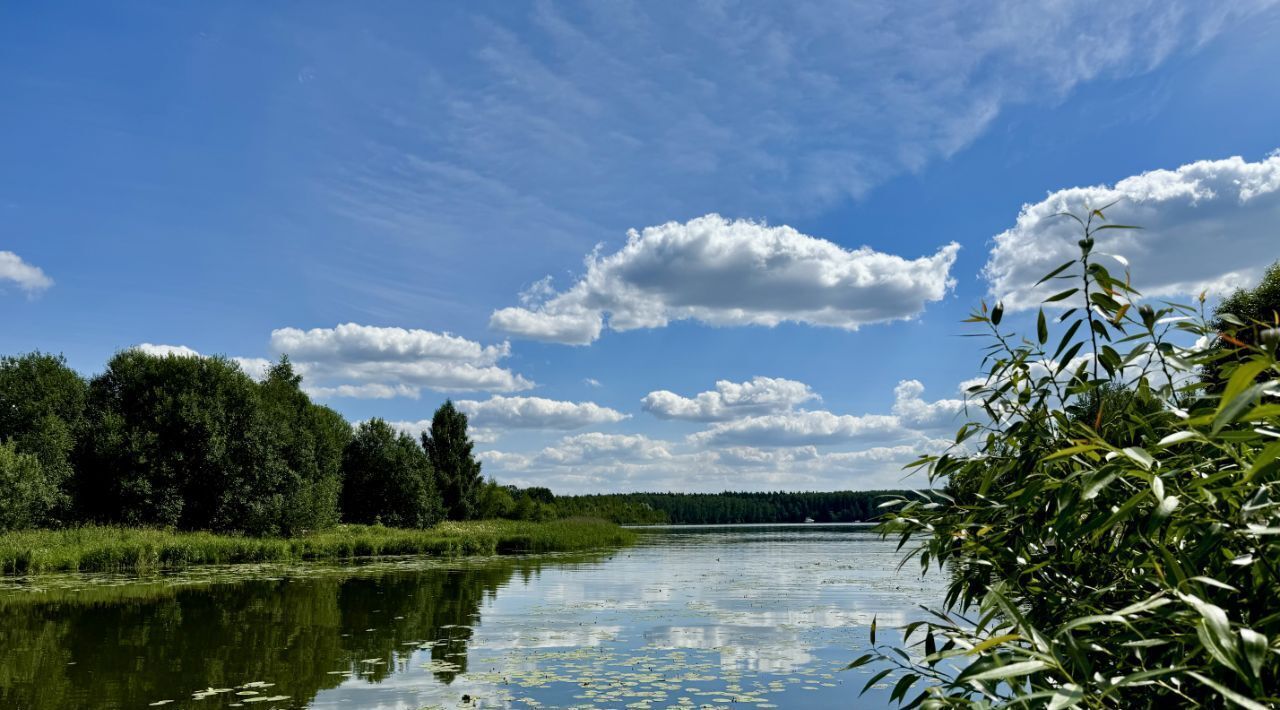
(720, 618)
(291, 636)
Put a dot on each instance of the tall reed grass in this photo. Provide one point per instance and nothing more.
(111, 549)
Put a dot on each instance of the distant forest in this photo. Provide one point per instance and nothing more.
(728, 507)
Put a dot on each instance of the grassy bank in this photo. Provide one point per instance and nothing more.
(112, 549)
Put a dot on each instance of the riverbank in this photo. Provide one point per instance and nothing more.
(116, 549)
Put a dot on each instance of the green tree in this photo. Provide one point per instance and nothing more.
(42, 405)
(388, 478)
(495, 501)
(29, 492)
(311, 440)
(180, 441)
(1239, 323)
(449, 447)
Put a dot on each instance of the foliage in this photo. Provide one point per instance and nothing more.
(108, 549)
(29, 492)
(181, 441)
(1100, 558)
(725, 508)
(388, 479)
(42, 405)
(449, 447)
(1239, 322)
(311, 440)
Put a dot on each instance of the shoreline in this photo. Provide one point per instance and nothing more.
(122, 549)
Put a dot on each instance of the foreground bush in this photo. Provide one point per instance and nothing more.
(109, 549)
(1110, 523)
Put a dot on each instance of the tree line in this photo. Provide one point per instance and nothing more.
(194, 443)
(727, 507)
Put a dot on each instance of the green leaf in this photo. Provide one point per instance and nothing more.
(997, 313)
(1042, 328)
(1012, 670)
(1233, 409)
(993, 642)
(1067, 696)
(1139, 456)
(862, 660)
(1241, 378)
(873, 629)
(875, 679)
(1056, 271)
(1255, 649)
(1061, 295)
(1229, 694)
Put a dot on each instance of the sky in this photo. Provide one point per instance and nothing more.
(691, 246)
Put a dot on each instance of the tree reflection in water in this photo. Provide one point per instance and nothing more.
(132, 645)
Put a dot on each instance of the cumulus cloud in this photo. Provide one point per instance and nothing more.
(1209, 225)
(353, 360)
(723, 272)
(730, 400)
(479, 435)
(910, 405)
(537, 413)
(31, 279)
(161, 350)
(800, 427)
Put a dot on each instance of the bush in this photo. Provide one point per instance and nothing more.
(29, 492)
(42, 404)
(1110, 525)
(389, 479)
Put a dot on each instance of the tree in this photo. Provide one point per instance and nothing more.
(311, 440)
(1240, 321)
(449, 448)
(29, 492)
(495, 501)
(388, 479)
(42, 404)
(180, 441)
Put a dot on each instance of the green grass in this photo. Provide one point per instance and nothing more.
(113, 549)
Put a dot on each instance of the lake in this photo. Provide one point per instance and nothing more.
(752, 616)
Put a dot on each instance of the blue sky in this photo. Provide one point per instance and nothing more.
(381, 192)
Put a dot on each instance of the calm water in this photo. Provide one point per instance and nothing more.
(709, 617)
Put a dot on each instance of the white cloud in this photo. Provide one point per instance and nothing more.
(913, 409)
(31, 279)
(377, 361)
(537, 413)
(591, 382)
(596, 446)
(1209, 225)
(479, 435)
(167, 350)
(372, 390)
(730, 400)
(723, 272)
(801, 427)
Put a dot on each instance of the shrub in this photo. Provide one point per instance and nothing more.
(1110, 525)
(29, 492)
